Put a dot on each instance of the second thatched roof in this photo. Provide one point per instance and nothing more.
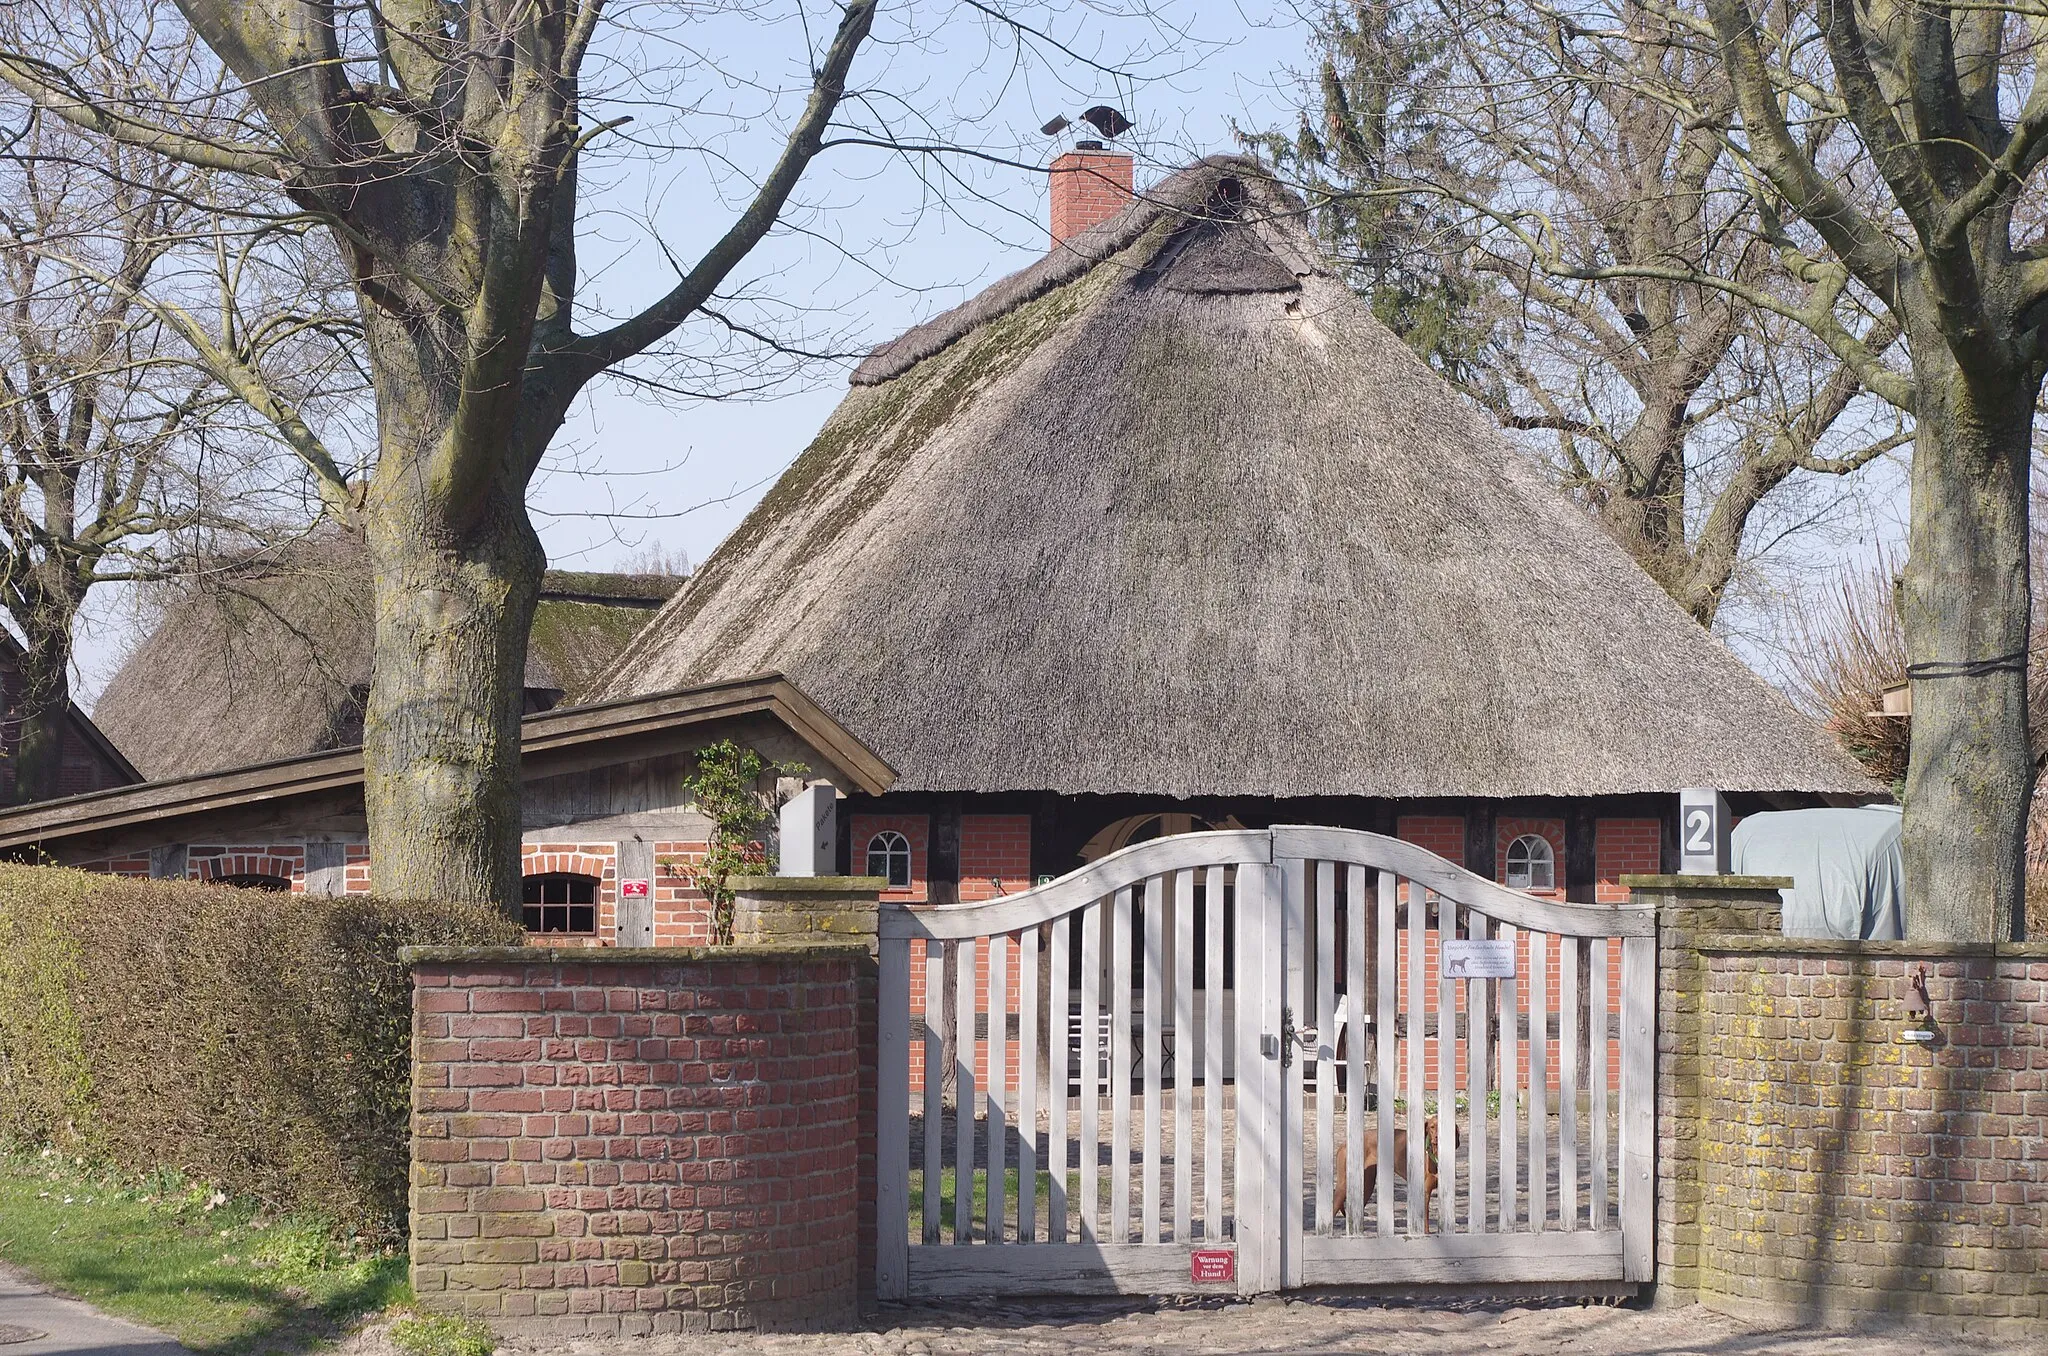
(1169, 512)
(269, 657)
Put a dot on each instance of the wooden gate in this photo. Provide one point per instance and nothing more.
(1198, 1056)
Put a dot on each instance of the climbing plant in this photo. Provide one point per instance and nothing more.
(725, 785)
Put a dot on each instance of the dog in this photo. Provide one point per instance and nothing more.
(1372, 1167)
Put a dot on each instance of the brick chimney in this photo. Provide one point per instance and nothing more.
(1089, 185)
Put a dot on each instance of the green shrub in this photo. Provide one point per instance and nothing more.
(430, 1336)
(258, 1041)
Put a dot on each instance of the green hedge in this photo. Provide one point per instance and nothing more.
(259, 1041)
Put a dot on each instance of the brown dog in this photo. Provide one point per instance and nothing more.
(1372, 1168)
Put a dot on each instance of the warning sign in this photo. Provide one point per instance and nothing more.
(1212, 1266)
(636, 889)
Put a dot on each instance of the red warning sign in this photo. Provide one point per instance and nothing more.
(1212, 1266)
(635, 889)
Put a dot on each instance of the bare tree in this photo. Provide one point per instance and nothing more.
(441, 144)
(1670, 407)
(120, 457)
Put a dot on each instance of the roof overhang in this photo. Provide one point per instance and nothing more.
(547, 737)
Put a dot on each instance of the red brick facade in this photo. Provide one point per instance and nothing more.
(279, 861)
(633, 1148)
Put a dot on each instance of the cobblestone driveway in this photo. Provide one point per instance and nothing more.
(1270, 1328)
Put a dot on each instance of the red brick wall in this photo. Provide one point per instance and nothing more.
(1625, 847)
(634, 1148)
(1088, 187)
(682, 913)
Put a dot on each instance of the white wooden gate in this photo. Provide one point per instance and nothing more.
(1192, 1050)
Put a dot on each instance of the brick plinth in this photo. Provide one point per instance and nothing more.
(1811, 1167)
(637, 1141)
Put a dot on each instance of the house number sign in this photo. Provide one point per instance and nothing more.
(1478, 958)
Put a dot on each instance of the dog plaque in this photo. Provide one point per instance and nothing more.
(635, 889)
(1212, 1266)
(1478, 958)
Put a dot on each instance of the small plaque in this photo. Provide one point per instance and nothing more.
(1478, 958)
(1212, 1266)
(636, 889)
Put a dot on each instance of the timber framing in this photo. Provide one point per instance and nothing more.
(551, 742)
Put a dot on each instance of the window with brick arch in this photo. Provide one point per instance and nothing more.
(889, 857)
(561, 901)
(252, 881)
(1531, 863)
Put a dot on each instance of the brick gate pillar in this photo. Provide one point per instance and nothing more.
(1689, 908)
(635, 1141)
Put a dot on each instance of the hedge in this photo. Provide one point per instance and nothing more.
(259, 1041)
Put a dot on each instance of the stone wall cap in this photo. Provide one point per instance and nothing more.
(808, 885)
(627, 955)
(1751, 944)
(1707, 882)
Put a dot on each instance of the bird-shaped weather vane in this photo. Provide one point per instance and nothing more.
(1104, 119)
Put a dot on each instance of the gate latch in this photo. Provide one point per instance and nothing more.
(1288, 1036)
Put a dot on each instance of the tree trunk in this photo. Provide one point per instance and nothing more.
(1964, 601)
(45, 701)
(441, 732)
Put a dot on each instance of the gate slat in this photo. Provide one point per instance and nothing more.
(963, 1098)
(1089, 1078)
(1028, 973)
(1568, 1083)
(1510, 1092)
(1600, 1099)
(1119, 1037)
(1295, 994)
(1356, 1029)
(1539, 1081)
(998, 951)
(1386, 1069)
(1418, 1039)
(1183, 1055)
(1477, 1073)
(1638, 1104)
(1213, 1036)
(1446, 1071)
(1058, 1028)
(934, 1087)
(1155, 963)
(892, 1126)
(1325, 1019)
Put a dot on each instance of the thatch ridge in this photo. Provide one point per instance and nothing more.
(1172, 513)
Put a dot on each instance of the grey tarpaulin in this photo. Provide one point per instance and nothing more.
(1846, 865)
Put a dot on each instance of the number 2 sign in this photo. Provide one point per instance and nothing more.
(1703, 829)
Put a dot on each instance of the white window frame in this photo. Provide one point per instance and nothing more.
(1535, 855)
(893, 848)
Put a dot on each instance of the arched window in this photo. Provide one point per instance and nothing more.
(1531, 863)
(559, 901)
(277, 884)
(889, 857)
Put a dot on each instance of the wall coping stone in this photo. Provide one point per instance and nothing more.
(1707, 882)
(1751, 943)
(808, 885)
(626, 955)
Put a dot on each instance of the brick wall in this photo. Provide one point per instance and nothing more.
(1625, 847)
(284, 861)
(1845, 1173)
(1811, 1167)
(625, 1148)
(682, 913)
(1088, 187)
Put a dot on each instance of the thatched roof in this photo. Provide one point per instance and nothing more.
(1169, 512)
(269, 657)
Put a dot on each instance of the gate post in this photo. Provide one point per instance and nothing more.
(1689, 907)
(1260, 1202)
(831, 911)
